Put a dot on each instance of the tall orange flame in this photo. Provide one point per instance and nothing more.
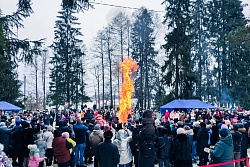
(126, 89)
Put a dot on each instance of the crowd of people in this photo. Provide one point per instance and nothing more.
(72, 138)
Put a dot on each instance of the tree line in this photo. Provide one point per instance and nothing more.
(205, 52)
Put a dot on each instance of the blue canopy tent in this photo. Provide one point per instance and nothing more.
(9, 107)
(185, 104)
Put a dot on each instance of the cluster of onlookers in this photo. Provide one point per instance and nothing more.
(71, 138)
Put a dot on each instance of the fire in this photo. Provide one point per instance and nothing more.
(126, 89)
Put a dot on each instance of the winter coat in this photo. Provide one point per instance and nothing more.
(202, 140)
(163, 145)
(4, 160)
(80, 133)
(34, 158)
(107, 154)
(244, 142)
(28, 134)
(48, 138)
(122, 142)
(145, 161)
(5, 138)
(95, 138)
(61, 149)
(223, 151)
(181, 151)
(237, 137)
(99, 120)
(195, 130)
(73, 144)
(41, 145)
(190, 135)
(214, 138)
(17, 142)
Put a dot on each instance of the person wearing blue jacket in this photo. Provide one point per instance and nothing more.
(80, 139)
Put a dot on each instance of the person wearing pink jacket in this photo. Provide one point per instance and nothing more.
(34, 158)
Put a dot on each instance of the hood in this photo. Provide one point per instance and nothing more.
(97, 132)
(121, 134)
(189, 132)
(228, 140)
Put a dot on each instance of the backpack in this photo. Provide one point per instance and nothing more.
(148, 149)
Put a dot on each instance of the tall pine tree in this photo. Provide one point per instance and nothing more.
(178, 64)
(143, 51)
(67, 60)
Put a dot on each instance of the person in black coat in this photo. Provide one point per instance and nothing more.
(244, 141)
(202, 142)
(163, 145)
(17, 145)
(107, 153)
(140, 136)
(5, 138)
(181, 150)
(28, 138)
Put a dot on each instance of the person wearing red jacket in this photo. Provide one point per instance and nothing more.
(167, 115)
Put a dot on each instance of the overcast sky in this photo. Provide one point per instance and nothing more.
(41, 23)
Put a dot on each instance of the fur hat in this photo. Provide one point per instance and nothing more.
(49, 128)
(224, 132)
(97, 127)
(180, 131)
(108, 134)
(1, 147)
(196, 124)
(32, 147)
(65, 135)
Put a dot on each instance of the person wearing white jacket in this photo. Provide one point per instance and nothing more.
(48, 138)
(123, 137)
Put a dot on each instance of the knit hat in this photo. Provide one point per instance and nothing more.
(65, 135)
(224, 126)
(32, 147)
(97, 127)
(180, 131)
(108, 134)
(106, 128)
(224, 132)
